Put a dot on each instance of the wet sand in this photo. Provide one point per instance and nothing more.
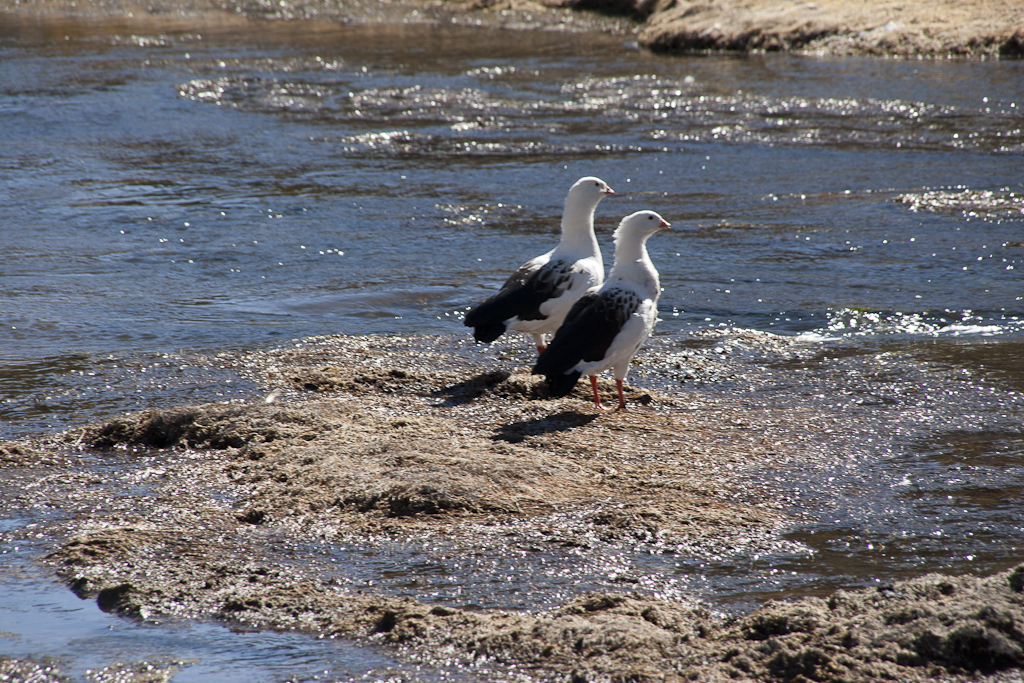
(365, 443)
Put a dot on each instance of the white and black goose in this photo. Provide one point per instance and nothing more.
(608, 324)
(537, 297)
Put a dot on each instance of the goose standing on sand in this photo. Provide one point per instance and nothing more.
(608, 324)
(536, 298)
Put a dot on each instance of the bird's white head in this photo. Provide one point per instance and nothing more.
(589, 189)
(641, 224)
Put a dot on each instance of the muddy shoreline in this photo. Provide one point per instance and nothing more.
(919, 29)
(235, 508)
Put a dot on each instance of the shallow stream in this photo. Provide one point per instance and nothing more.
(170, 194)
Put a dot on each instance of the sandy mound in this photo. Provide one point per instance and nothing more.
(937, 28)
(927, 628)
(234, 510)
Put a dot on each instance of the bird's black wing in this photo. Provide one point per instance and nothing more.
(589, 329)
(521, 296)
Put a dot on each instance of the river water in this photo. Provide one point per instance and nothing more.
(175, 191)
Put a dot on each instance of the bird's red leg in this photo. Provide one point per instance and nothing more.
(622, 399)
(597, 396)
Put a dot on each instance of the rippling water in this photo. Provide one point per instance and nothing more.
(177, 191)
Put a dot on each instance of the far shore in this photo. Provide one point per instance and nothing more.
(933, 29)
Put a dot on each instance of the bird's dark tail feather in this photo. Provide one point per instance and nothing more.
(489, 332)
(560, 385)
